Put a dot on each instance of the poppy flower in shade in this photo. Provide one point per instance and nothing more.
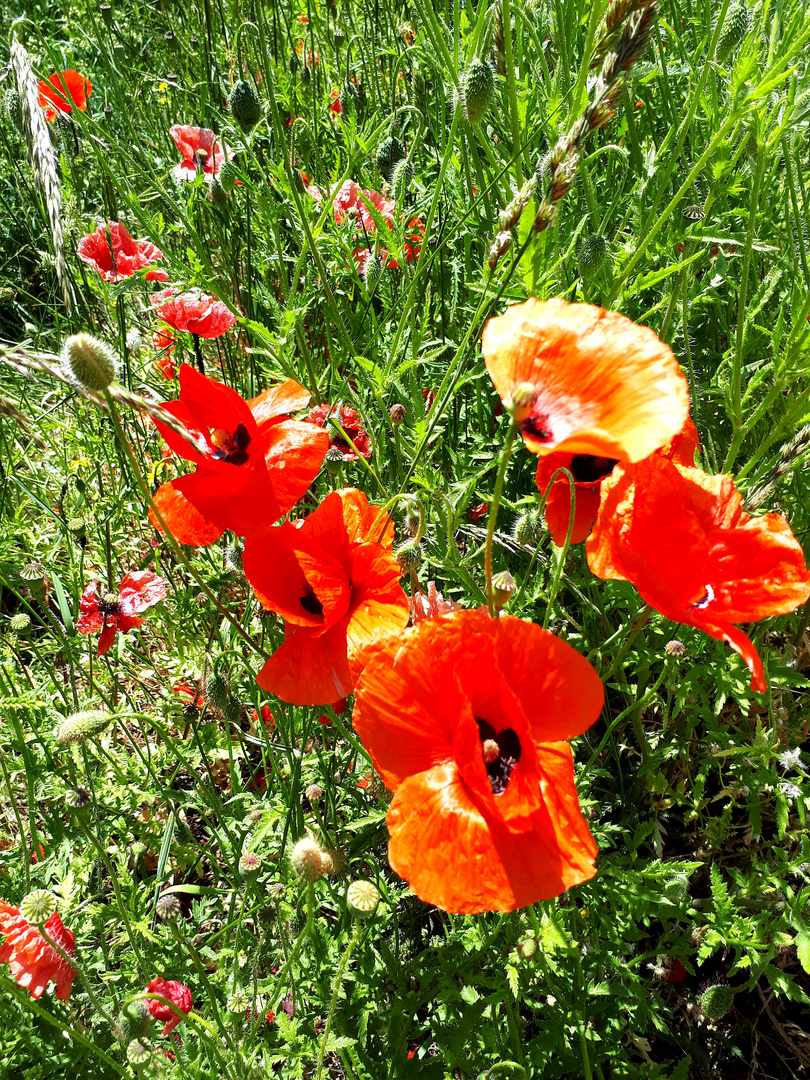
(337, 589)
(335, 108)
(253, 462)
(201, 150)
(32, 961)
(175, 992)
(349, 420)
(138, 591)
(682, 538)
(589, 472)
(194, 311)
(464, 719)
(165, 365)
(603, 386)
(126, 257)
(64, 92)
(351, 199)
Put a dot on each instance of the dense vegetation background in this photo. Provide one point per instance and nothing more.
(688, 213)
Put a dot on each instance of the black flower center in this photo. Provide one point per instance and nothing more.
(500, 751)
(310, 602)
(587, 469)
(231, 448)
(704, 601)
(109, 605)
(536, 426)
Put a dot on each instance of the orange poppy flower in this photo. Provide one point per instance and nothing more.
(32, 961)
(253, 462)
(463, 717)
(682, 538)
(126, 257)
(337, 590)
(64, 92)
(589, 472)
(605, 387)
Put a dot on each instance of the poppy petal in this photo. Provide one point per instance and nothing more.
(294, 453)
(308, 669)
(107, 635)
(213, 404)
(605, 386)
(276, 401)
(185, 522)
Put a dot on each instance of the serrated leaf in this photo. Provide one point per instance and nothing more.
(512, 979)
(802, 944)
(782, 983)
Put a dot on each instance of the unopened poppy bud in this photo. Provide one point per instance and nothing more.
(306, 859)
(477, 90)
(715, 1001)
(503, 585)
(217, 692)
(80, 726)
(245, 106)
(332, 861)
(250, 866)
(227, 177)
(38, 906)
(90, 361)
(528, 948)
(362, 898)
(389, 153)
(219, 196)
(397, 412)
(314, 793)
(12, 107)
(528, 530)
(78, 800)
(372, 272)
(675, 648)
(134, 1020)
(409, 557)
(306, 75)
(677, 889)
(168, 908)
(139, 1052)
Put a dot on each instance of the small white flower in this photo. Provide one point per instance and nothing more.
(791, 759)
(791, 791)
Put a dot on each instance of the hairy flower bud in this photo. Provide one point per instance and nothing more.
(90, 361)
(715, 1001)
(80, 726)
(477, 90)
(306, 859)
(409, 557)
(245, 106)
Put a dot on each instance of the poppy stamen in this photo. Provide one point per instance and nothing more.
(587, 468)
(704, 601)
(500, 752)
(231, 448)
(310, 602)
(109, 605)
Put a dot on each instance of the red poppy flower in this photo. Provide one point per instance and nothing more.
(139, 590)
(175, 992)
(430, 605)
(604, 386)
(200, 150)
(126, 257)
(194, 311)
(352, 199)
(349, 420)
(165, 366)
(253, 462)
(682, 538)
(32, 961)
(195, 693)
(463, 718)
(165, 340)
(268, 719)
(313, 58)
(589, 472)
(64, 92)
(335, 108)
(476, 513)
(337, 590)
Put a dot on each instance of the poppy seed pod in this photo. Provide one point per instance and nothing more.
(78, 800)
(503, 585)
(38, 906)
(362, 898)
(477, 90)
(397, 412)
(245, 106)
(250, 866)
(675, 649)
(138, 1052)
(306, 859)
(90, 361)
(81, 726)
(522, 401)
(168, 907)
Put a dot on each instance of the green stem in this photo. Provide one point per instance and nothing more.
(79, 971)
(493, 514)
(341, 971)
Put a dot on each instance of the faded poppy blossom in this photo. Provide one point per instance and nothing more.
(175, 992)
(253, 462)
(349, 420)
(589, 472)
(194, 311)
(64, 92)
(126, 257)
(600, 385)
(685, 542)
(464, 719)
(335, 582)
(32, 961)
(139, 590)
(201, 151)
